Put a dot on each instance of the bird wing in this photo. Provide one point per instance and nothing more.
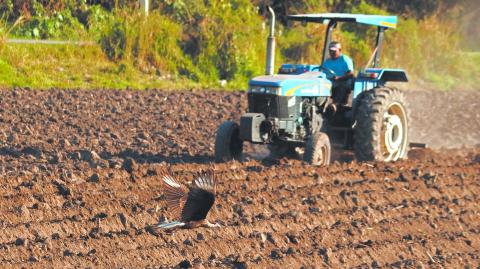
(206, 181)
(200, 197)
(175, 195)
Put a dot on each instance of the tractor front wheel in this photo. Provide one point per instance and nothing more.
(381, 128)
(228, 145)
(318, 150)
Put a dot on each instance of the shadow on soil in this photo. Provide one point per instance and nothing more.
(148, 157)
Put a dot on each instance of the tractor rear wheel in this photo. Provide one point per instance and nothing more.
(318, 150)
(228, 145)
(381, 128)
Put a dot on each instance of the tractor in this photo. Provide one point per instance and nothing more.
(288, 111)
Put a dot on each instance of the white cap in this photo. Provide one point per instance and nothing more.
(334, 45)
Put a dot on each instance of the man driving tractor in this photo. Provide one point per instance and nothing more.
(323, 105)
(342, 66)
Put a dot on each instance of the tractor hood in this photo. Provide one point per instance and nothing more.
(306, 84)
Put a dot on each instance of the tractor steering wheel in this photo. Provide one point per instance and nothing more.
(329, 72)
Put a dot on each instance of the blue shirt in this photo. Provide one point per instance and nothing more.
(340, 66)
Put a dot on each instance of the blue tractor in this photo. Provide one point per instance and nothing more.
(289, 111)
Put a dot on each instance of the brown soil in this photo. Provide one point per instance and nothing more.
(80, 188)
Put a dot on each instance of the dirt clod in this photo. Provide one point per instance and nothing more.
(19, 242)
(185, 264)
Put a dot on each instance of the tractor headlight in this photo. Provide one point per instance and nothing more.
(366, 74)
(265, 90)
(271, 90)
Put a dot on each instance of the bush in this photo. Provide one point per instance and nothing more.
(59, 24)
(430, 50)
(224, 39)
(151, 43)
(114, 40)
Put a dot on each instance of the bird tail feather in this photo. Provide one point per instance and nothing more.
(171, 225)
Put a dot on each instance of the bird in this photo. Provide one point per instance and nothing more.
(189, 206)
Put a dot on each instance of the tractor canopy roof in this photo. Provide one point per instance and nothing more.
(377, 20)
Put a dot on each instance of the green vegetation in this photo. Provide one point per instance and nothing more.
(199, 44)
(66, 66)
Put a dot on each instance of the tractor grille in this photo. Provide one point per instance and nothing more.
(272, 106)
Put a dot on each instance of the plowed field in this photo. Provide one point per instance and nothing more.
(79, 187)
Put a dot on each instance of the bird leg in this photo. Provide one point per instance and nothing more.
(208, 224)
(201, 223)
(194, 224)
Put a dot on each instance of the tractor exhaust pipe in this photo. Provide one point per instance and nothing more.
(271, 44)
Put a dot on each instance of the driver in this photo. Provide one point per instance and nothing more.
(342, 66)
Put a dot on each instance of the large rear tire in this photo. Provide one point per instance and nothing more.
(381, 128)
(228, 145)
(318, 150)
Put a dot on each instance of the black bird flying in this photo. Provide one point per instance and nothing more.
(189, 206)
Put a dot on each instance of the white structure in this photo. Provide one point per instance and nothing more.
(144, 6)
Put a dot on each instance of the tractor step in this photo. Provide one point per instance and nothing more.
(341, 137)
(417, 145)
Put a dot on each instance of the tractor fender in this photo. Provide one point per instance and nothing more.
(383, 75)
(396, 75)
